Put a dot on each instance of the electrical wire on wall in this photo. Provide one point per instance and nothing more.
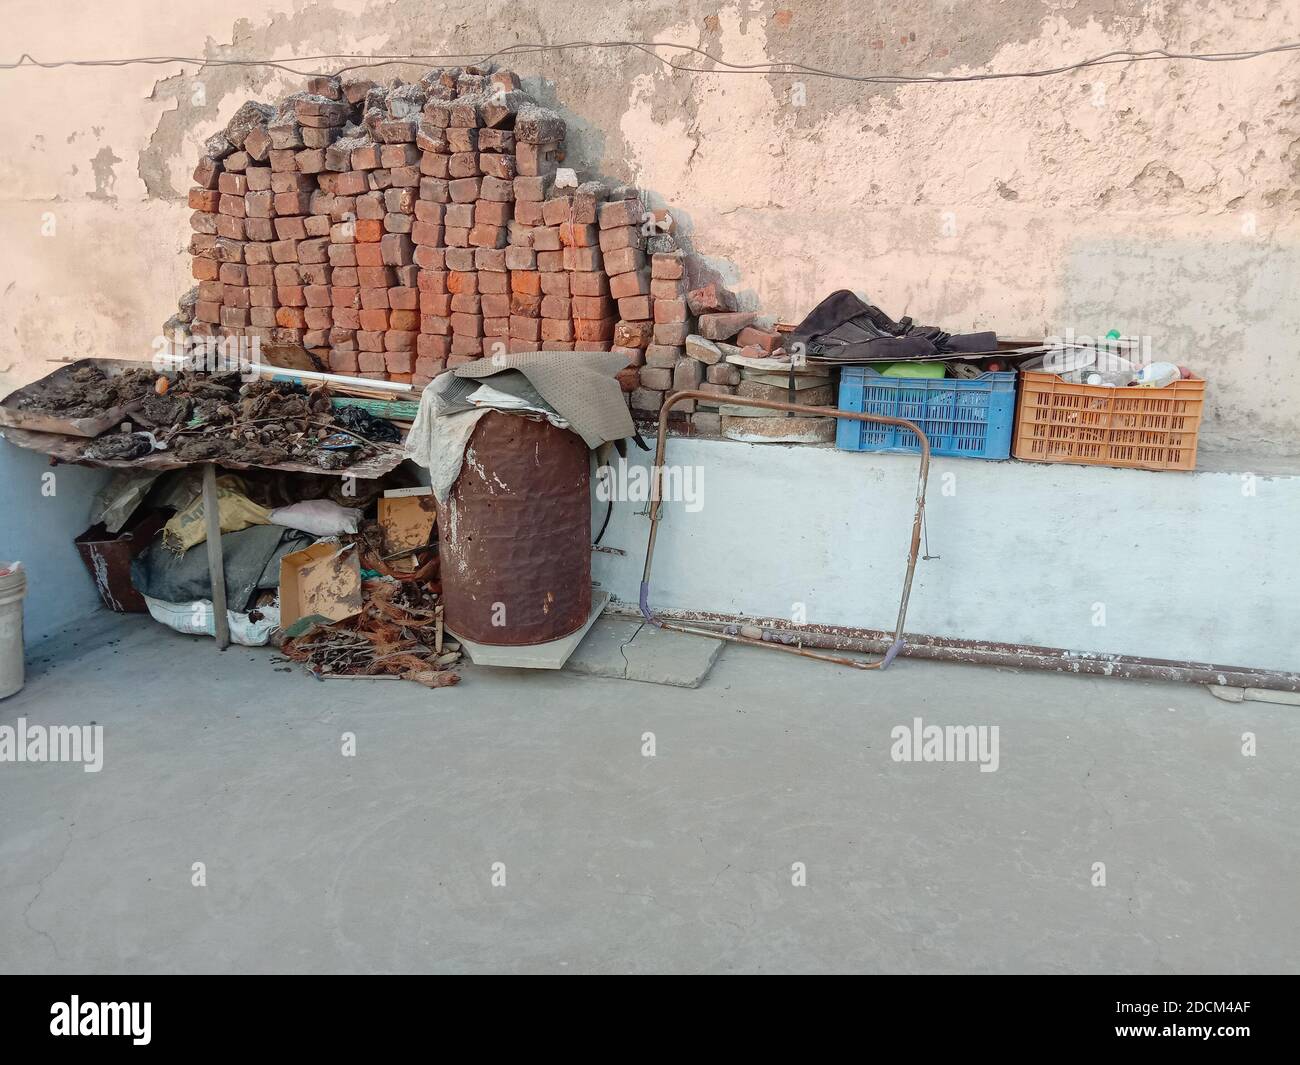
(719, 64)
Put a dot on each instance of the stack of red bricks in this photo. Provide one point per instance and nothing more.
(625, 227)
(563, 298)
(259, 254)
(367, 186)
(468, 166)
(394, 230)
(667, 367)
(717, 322)
(399, 229)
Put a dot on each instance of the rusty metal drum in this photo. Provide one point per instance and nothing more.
(515, 535)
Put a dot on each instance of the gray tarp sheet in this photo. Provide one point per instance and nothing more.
(251, 561)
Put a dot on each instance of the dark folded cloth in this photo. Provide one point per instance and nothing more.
(972, 343)
(844, 328)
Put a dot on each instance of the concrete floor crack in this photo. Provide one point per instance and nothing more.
(625, 643)
(40, 886)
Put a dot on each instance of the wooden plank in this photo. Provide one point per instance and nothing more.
(216, 564)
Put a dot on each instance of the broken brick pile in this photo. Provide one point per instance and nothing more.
(397, 230)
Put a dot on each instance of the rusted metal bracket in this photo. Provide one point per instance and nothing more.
(814, 412)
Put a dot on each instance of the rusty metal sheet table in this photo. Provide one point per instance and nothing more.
(67, 449)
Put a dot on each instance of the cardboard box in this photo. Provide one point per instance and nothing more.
(324, 579)
(407, 516)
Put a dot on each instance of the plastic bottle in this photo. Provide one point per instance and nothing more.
(1158, 374)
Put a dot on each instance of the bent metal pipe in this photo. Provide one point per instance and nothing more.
(815, 412)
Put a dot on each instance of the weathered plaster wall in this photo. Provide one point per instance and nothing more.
(1157, 198)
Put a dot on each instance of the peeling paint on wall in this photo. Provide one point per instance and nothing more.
(105, 180)
(1157, 198)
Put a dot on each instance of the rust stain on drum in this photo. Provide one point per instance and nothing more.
(515, 538)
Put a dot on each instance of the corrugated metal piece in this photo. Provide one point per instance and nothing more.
(515, 535)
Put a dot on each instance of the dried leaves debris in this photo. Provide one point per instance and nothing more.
(397, 633)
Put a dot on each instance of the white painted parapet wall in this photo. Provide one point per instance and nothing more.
(1198, 566)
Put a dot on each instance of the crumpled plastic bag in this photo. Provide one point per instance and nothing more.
(117, 501)
(319, 517)
(199, 619)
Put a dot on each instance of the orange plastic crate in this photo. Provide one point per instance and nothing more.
(1141, 428)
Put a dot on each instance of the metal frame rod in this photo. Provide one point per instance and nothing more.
(813, 412)
(993, 653)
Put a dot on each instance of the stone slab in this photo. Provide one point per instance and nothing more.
(633, 650)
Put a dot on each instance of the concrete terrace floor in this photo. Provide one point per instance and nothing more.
(617, 862)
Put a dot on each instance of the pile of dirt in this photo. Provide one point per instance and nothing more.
(114, 446)
(85, 392)
(205, 416)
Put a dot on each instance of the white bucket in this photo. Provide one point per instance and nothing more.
(13, 589)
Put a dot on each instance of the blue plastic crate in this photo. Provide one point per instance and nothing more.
(966, 417)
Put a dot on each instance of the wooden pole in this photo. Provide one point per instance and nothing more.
(216, 565)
